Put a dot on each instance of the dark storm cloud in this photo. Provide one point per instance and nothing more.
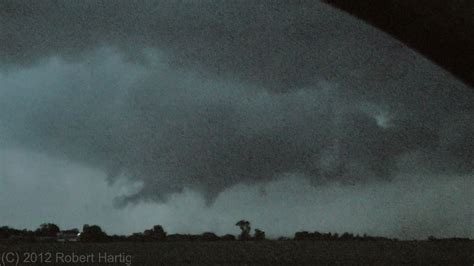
(173, 130)
(243, 92)
(276, 44)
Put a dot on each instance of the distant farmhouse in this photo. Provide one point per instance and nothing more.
(71, 235)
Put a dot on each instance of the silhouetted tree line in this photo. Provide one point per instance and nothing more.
(94, 233)
(49, 232)
(432, 238)
(315, 236)
(304, 235)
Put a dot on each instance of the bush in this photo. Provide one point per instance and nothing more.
(209, 236)
(228, 237)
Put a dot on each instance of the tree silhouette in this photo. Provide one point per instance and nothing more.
(47, 230)
(92, 233)
(259, 234)
(245, 227)
(156, 233)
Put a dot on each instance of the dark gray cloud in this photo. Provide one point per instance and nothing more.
(208, 95)
(277, 44)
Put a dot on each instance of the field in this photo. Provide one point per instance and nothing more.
(245, 253)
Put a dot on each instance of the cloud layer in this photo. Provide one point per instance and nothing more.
(207, 95)
(173, 130)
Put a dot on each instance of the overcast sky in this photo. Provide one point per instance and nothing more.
(194, 115)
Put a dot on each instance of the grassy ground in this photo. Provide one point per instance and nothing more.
(249, 253)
